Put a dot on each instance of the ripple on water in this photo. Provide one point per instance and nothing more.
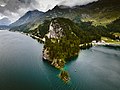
(22, 67)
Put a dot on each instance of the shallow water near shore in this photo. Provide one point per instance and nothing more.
(22, 67)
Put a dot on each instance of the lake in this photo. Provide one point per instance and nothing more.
(22, 67)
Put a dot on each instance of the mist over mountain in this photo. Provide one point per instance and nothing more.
(72, 3)
(4, 21)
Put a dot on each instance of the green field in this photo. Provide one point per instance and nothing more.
(110, 41)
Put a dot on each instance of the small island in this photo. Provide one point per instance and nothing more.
(64, 75)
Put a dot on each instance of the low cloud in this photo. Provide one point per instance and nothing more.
(72, 3)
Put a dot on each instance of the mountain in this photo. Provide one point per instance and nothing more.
(5, 21)
(100, 13)
(4, 27)
(30, 16)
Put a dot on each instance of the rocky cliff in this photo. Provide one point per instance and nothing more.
(55, 32)
(61, 42)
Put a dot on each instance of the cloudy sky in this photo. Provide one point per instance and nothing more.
(14, 9)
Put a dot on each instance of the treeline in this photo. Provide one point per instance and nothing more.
(114, 26)
(85, 31)
(96, 32)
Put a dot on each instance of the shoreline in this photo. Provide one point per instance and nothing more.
(42, 39)
(105, 44)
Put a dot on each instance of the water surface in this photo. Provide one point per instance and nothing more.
(22, 67)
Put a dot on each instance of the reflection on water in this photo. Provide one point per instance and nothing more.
(22, 67)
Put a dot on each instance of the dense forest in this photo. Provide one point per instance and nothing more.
(66, 46)
(85, 31)
(74, 34)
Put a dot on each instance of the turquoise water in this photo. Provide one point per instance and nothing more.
(22, 67)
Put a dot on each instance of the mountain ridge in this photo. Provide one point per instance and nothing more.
(29, 16)
(101, 13)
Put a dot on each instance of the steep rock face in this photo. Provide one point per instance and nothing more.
(45, 54)
(55, 30)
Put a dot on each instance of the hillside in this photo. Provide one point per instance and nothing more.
(103, 12)
(100, 13)
(30, 16)
(114, 26)
(4, 27)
